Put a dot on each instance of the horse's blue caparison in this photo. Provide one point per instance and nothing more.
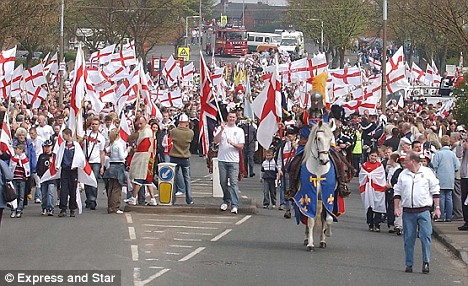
(306, 198)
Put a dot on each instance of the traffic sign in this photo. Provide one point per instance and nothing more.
(166, 173)
(184, 52)
(224, 21)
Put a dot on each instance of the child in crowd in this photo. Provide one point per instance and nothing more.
(47, 188)
(19, 166)
(269, 175)
(393, 167)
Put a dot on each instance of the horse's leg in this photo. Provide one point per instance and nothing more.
(310, 226)
(323, 225)
(328, 221)
(307, 230)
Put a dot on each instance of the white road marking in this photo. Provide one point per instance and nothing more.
(191, 221)
(137, 280)
(244, 197)
(187, 239)
(147, 251)
(131, 232)
(243, 219)
(129, 218)
(135, 255)
(187, 216)
(219, 236)
(156, 267)
(152, 259)
(149, 244)
(194, 233)
(155, 231)
(148, 237)
(192, 254)
(180, 246)
(172, 253)
(181, 226)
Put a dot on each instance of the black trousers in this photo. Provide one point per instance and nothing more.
(464, 194)
(373, 218)
(68, 183)
(389, 201)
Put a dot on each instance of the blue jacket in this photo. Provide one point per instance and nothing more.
(4, 169)
(30, 153)
(445, 164)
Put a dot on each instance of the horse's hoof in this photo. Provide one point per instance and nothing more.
(306, 241)
(310, 248)
(323, 245)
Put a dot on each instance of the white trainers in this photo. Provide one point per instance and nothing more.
(37, 201)
(132, 201)
(223, 207)
(178, 194)
(153, 202)
(234, 210)
(119, 212)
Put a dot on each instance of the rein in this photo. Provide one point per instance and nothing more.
(326, 152)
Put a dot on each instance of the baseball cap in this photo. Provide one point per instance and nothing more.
(183, 118)
(47, 143)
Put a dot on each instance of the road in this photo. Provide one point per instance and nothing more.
(220, 249)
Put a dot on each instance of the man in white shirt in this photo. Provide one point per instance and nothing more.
(44, 131)
(93, 146)
(106, 128)
(231, 140)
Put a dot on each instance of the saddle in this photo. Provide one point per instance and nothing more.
(344, 173)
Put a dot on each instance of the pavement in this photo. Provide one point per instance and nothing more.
(251, 199)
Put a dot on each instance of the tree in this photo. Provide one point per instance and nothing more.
(343, 20)
(461, 106)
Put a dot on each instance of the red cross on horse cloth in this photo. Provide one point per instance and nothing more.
(346, 76)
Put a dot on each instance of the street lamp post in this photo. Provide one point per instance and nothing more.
(321, 32)
(186, 27)
(62, 16)
(383, 98)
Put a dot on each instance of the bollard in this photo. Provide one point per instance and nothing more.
(217, 191)
(166, 183)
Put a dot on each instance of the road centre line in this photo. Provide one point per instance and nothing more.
(180, 246)
(219, 236)
(193, 221)
(135, 255)
(172, 253)
(148, 237)
(131, 232)
(180, 226)
(156, 267)
(194, 233)
(192, 254)
(243, 219)
(187, 239)
(129, 218)
(152, 259)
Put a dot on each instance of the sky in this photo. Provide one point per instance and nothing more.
(270, 2)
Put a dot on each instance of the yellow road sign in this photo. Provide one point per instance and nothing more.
(224, 20)
(184, 52)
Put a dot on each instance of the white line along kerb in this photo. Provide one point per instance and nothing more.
(129, 218)
(131, 232)
(135, 255)
(219, 236)
(243, 219)
(192, 254)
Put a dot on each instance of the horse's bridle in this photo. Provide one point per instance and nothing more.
(326, 152)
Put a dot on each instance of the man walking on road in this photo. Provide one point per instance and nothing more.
(180, 154)
(417, 189)
(231, 140)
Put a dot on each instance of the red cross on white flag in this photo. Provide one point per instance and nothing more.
(102, 56)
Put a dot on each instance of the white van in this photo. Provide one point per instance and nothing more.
(260, 42)
(292, 42)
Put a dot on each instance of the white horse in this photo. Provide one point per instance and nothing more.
(318, 173)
